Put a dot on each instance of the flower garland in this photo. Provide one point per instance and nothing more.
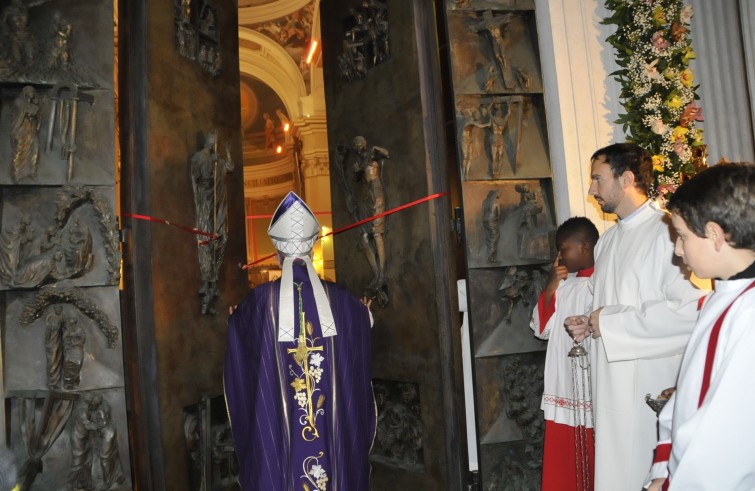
(653, 50)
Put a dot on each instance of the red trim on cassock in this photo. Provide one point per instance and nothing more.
(545, 310)
(712, 343)
(586, 273)
(560, 460)
(662, 453)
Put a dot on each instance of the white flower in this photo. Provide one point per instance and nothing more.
(685, 15)
(315, 359)
(659, 128)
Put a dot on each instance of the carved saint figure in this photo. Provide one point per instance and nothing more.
(498, 123)
(491, 26)
(54, 346)
(15, 19)
(528, 206)
(369, 167)
(208, 171)
(491, 215)
(74, 338)
(94, 432)
(60, 53)
(474, 120)
(24, 134)
(269, 130)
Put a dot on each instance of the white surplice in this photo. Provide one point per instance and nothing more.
(649, 311)
(713, 446)
(573, 297)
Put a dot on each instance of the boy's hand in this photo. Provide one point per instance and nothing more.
(657, 484)
(558, 273)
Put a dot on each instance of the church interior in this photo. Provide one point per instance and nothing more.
(145, 147)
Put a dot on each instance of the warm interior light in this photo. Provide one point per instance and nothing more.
(286, 127)
(278, 149)
(312, 49)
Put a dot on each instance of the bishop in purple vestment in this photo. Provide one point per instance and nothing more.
(298, 389)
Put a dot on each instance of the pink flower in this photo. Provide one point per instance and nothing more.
(666, 188)
(691, 113)
(679, 148)
(686, 14)
(659, 42)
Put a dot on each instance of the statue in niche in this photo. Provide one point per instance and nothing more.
(366, 165)
(15, 19)
(491, 216)
(528, 207)
(24, 134)
(286, 125)
(269, 130)
(492, 27)
(519, 286)
(54, 346)
(498, 124)
(60, 53)
(208, 172)
(475, 119)
(78, 250)
(74, 338)
(94, 432)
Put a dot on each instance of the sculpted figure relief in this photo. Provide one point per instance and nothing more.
(491, 216)
(208, 172)
(24, 134)
(94, 433)
(364, 165)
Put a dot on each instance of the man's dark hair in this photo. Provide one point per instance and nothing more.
(578, 228)
(624, 157)
(723, 194)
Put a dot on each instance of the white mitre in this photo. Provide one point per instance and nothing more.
(294, 231)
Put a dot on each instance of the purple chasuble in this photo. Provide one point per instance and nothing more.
(302, 412)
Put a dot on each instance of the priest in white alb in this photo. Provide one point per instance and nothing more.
(644, 309)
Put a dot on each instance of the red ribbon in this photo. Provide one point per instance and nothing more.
(361, 222)
(182, 227)
(246, 266)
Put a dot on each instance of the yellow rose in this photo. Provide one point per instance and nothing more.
(659, 16)
(679, 134)
(658, 161)
(674, 101)
(697, 137)
(689, 55)
(687, 77)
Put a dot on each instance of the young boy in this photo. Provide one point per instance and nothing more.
(706, 431)
(568, 292)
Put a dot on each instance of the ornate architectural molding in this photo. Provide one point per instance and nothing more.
(271, 11)
(267, 61)
(315, 167)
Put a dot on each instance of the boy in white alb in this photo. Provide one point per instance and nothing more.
(706, 434)
(568, 437)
